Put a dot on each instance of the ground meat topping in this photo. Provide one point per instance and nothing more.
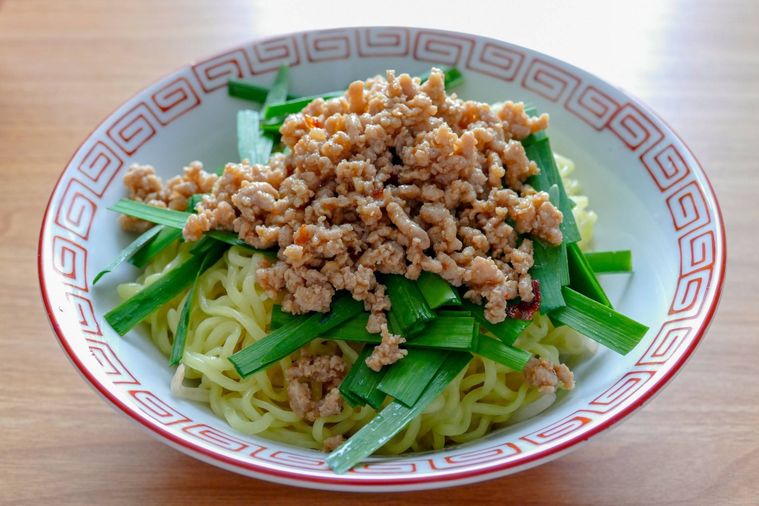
(145, 186)
(393, 177)
(546, 376)
(388, 351)
(326, 370)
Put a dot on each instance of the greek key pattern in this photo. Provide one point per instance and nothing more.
(175, 98)
(268, 55)
(382, 42)
(80, 194)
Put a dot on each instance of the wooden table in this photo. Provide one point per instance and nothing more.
(64, 65)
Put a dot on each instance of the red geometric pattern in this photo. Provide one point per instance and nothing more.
(442, 48)
(77, 209)
(691, 291)
(70, 262)
(268, 55)
(548, 80)
(688, 207)
(662, 157)
(620, 391)
(395, 467)
(496, 60)
(214, 73)
(560, 429)
(110, 363)
(216, 437)
(83, 307)
(460, 459)
(634, 128)
(666, 165)
(174, 99)
(666, 344)
(291, 459)
(382, 41)
(592, 106)
(697, 250)
(327, 45)
(99, 166)
(134, 128)
(155, 408)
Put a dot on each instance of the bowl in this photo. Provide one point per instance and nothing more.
(649, 191)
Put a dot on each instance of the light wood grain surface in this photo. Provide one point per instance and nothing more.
(64, 65)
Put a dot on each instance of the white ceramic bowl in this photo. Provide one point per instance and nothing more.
(650, 193)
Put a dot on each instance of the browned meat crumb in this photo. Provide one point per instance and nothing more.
(326, 370)
(331, 443)
(322, 368)
(394, 177)
(145, 186)
(546, 376)
(526, 310)
(332, 403)
(388, 351)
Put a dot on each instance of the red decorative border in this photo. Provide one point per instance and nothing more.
(134, 128)
(269, 54)
(327, 45)
(698, 230)
(213, 73)
(99, 166)
(382, 42)
(174, 99)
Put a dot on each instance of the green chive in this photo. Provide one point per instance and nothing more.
(361, 382)
(278, 91)
(347, 383)
(293, 106)
(583, 279)
(133, 310)
(165, 238)
(280, 318)
(600, 323)
(406, 379)
(510, 356)
(254, 144)
(271, 126)
(549, 262)
(293, 336)
(437, 291)
(452, 312)
(507, 331)
(249, 137)
(408, 308)
(449, 332)
(159, 215)
(248, 91)
(609, 262)
(232, 239)
(393, 418)
(129, 251)
(177, 347)
(541, 153)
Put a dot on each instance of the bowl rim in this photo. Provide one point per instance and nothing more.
(368, 482)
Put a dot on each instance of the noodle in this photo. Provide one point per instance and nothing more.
(231, 312)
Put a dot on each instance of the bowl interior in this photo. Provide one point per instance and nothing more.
(647, 189)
